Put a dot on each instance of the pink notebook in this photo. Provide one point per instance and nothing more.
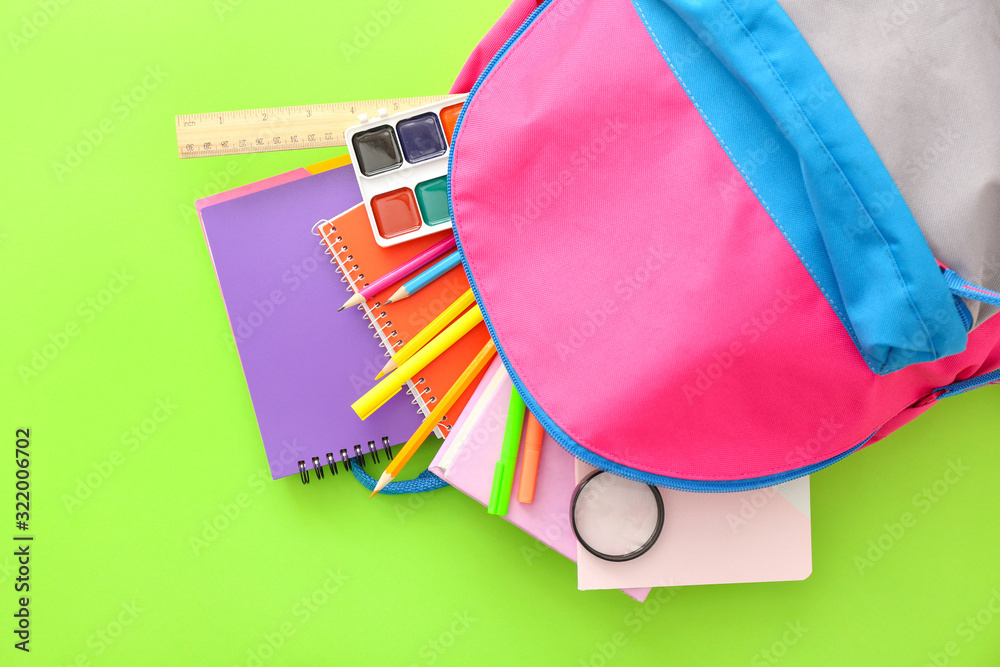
(760, 535)
(477, 437)
(716, 538)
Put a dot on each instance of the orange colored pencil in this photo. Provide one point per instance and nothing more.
(413, 444)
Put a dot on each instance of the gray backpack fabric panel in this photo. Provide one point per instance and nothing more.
(922, 78)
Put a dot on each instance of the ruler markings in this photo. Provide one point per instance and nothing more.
(279, 128)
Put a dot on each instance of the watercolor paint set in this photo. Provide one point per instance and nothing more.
(401, 162)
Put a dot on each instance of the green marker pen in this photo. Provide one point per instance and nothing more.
(503, 475)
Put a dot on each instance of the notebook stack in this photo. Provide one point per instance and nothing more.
(306, 364)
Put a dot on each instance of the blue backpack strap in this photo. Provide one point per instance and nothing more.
(425, 481)
(963, 288)
(957, 388)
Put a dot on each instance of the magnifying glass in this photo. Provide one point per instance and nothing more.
(614, 518)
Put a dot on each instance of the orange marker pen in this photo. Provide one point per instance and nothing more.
(529, 466)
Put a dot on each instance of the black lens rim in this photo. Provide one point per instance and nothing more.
(614, 558)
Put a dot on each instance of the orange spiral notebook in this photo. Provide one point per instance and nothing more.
(348, 238)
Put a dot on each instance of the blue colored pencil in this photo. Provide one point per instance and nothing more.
(410, 287)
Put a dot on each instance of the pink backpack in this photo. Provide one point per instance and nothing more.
(710, 241)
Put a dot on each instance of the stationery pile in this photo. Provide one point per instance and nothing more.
(649, 326)
(326, 398)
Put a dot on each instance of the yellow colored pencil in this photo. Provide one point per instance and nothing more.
(429, 331)
(461, 384)
(390, 385)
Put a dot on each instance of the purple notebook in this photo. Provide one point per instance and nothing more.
(304, 362)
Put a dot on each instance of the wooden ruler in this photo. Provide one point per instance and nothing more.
(280, 128)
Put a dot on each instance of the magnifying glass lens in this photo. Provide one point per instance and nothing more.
(615, 518)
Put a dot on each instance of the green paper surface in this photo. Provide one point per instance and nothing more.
(159, 538)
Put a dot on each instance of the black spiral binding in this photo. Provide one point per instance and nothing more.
(377, 320)
(348, 270)
(358, 458)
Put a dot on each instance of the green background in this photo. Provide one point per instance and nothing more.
(320, 572)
